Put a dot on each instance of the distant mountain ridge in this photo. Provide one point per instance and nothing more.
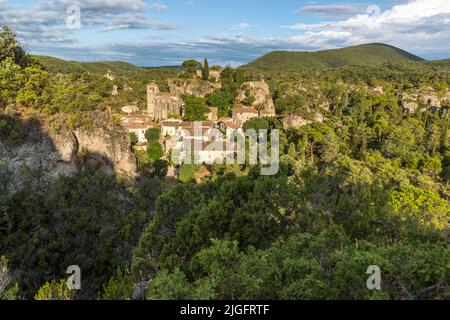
(368, 54)
(375, 54)
(57, 65)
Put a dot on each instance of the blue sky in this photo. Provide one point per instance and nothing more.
(166, 32)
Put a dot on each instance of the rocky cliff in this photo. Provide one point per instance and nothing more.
(413, 99)
(296, 121)
(258, 94)
(42, 154)
(196, 87)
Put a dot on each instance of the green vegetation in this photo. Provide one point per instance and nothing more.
(187, 172)
(10, 48)
(154, 150)
(152, 134)
(366, 184)
(206, 70)
(88, 223)
(133, 139)
(364, 55)
(196, 108)
(8, 288)
(191, 64)
(54, 291)
(118, 68)
(223, 99)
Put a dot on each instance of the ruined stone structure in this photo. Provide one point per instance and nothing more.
(214, 74)
(162, 105)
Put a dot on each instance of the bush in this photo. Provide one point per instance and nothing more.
(152, 134)
(154, 151)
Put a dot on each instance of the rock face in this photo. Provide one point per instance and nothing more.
(194, 87)
(295, 121)
(411, 101)
(40, 150)
(259, 94)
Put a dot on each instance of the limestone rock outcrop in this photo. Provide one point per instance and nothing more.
(412, 100)
(296, 121)
(44, 155)
(194, 87)
(258, 93)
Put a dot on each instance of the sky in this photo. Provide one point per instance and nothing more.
(227, 32)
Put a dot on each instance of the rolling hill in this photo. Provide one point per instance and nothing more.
(56, 65)
(365, 55)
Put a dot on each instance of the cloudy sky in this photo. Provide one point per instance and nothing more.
(166, 32)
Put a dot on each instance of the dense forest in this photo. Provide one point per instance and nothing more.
(368, 185)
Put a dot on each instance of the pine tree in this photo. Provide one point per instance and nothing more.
(206, 70)
(9, 47)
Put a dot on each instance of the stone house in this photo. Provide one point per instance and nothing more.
(214, 74)
(138, 124)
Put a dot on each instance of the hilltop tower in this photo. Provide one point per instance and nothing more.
(152, 93)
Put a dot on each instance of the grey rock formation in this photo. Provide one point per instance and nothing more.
(194, 87)
(261, 92)
(46, 155)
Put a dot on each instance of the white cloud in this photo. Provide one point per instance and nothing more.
(241, 26)
(158, 6)
(138, 21)
(417, 24)
(45, 21)
(103, 6)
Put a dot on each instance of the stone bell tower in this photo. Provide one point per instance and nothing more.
(152, 92)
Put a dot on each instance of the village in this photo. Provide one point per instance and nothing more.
(166, 111)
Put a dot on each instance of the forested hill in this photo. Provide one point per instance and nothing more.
(363, 55)
(56, 65)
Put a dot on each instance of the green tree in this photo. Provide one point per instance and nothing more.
(191, 63)
(152, 134)
(8, 289)
(223, 100)
(119, 287)
(206, 70)
(10, 48)
(133, 139)
(35, 91)
(12, 78)
(196, 108)
(154, 150)
(54, 290)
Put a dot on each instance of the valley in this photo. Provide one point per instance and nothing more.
(88, 178)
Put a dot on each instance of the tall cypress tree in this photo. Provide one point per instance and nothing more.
(206, 70)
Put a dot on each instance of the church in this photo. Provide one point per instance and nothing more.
(163, 105)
